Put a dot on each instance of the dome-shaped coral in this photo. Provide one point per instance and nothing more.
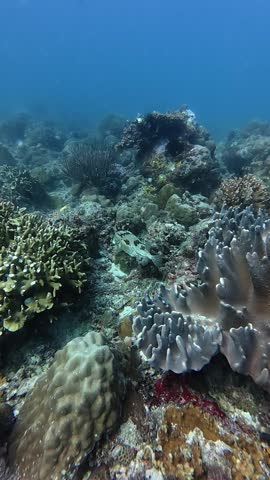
(69, 409)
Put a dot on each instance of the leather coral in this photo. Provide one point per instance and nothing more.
(181, 328)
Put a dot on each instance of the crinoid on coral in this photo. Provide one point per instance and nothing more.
(92, 163)
(39, 262)
(244, 191)
(71, 407)
(180, 329)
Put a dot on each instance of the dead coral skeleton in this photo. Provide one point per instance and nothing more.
(180, 329)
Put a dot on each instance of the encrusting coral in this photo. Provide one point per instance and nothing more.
(180, 329)
(70, 408)
(38, 261)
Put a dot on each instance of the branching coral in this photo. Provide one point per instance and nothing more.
(244, 191)
(38, 262)
(181, 328)
(76, 402)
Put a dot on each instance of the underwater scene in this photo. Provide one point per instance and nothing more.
(134, 240)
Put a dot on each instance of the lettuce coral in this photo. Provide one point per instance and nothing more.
(38, 261)
(182, 328)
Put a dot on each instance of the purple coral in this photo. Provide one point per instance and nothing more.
(181, 329)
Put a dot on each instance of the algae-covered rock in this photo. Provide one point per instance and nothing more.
(181, 212)
(39, 261)
(165, 193)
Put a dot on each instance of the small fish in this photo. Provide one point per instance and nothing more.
(126, 242)
(64, 208)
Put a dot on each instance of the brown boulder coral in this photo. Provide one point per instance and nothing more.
(181, 329)
(39, 261)
(70, 408)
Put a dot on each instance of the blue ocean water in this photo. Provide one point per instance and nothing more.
(77, 60)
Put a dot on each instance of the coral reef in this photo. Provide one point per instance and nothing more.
(5, 156)
(165, 131)
(38, 262)
(177, 430)
(142, 213)
(196, 170)
(70, 408)
(112, 125)
(173, 148)
(92, 164)
(19, 187)
(243, 191)
(44, 135)
(247, 149)
(182, 328)
(14, 129)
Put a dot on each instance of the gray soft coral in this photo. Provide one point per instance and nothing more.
(180, 329)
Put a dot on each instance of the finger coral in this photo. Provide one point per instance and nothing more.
(182, 328)
(38, 262)
(71, 406)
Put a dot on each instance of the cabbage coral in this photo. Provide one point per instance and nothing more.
(38, 262)
(182, 328)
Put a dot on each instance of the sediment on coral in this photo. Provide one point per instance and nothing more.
(71, 407)
(39, 263)
(182, 327)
